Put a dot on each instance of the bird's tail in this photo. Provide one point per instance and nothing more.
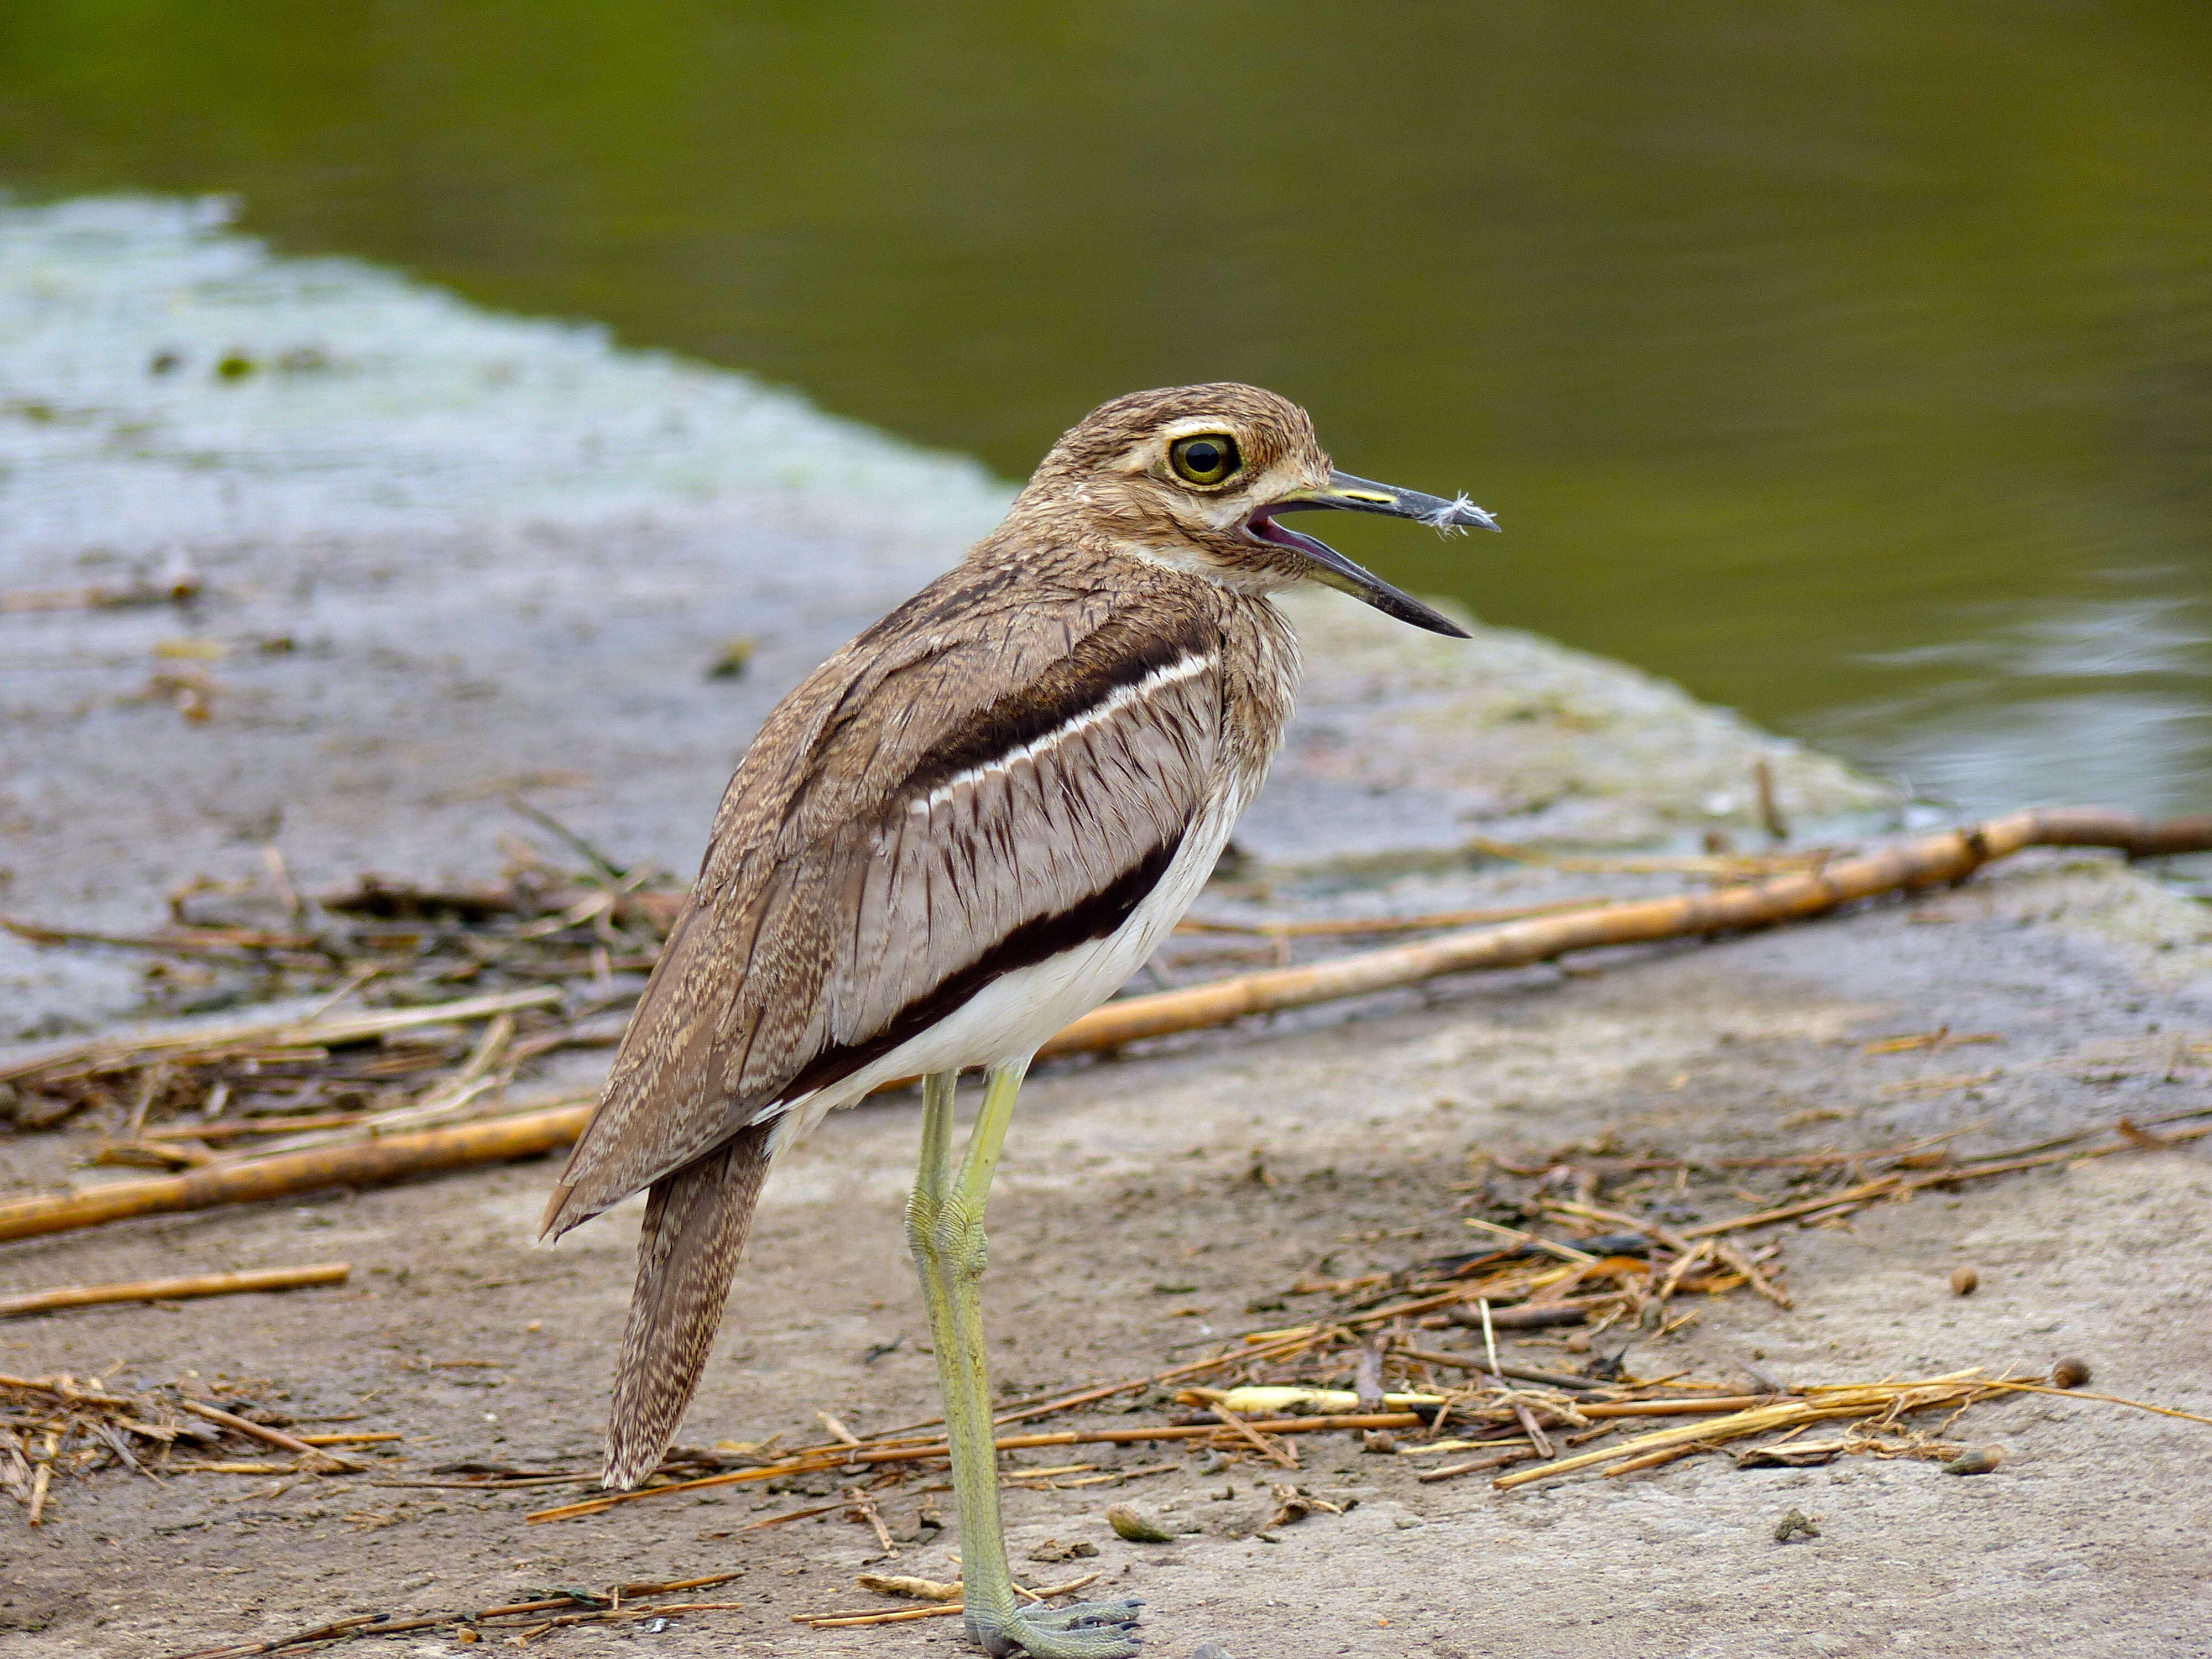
(696, 1222)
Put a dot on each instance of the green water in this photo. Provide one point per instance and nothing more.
(1850, 362)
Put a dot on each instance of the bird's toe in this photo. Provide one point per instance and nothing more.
(1087, 1630)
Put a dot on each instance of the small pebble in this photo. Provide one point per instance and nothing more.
(1964, 1281)
(1137, 1528)
(1980, 1460)
(2071, 1373)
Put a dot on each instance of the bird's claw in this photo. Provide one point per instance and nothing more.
(1087, 1630)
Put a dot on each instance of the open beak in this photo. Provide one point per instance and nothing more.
(1350, 494)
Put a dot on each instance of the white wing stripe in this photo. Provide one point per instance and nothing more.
(1184, 668)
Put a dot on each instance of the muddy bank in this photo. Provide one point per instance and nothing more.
(446, 647)
(442, 554)
(1128, 1227)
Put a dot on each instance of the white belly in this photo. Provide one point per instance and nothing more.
(1010, 1017)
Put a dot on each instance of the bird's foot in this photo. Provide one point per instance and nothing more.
(1087, 1630)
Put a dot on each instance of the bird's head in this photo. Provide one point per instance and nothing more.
(1200, 476)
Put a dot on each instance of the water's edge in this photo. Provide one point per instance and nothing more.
(445, 552)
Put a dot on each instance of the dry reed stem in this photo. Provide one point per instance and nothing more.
(1530, 1426)
(910, 1615)
(864, 1506)
(374, 1162)
(309, 1457)
(1273, 1452)
(1652, 1460)
(1476, 1465)
(1565, 1252)
(64, 1388)
(42, 1475)
(1818, 1404)
(837, 1457)
(1357, 926)
(175, 1289)
(249, 1128)
(1707, 1406)
(168, 590)
(893, 1616)
(1506, 1368)
(365, 1437)
(1726, 866)
(2011, 1387)
(915, 1589)
(1805, 892)
(384, 1624)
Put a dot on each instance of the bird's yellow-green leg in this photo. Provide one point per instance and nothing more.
(945, 1229)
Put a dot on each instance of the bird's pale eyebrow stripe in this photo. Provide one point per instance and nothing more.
(1187, 666)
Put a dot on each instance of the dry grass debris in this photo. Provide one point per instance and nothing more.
(61, 1429)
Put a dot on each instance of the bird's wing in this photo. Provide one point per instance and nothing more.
(981, 782)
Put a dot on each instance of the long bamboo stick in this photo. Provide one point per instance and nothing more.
(361, 1163)
(1920, 863)
(175, 1289)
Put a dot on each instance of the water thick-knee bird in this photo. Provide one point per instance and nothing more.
(967, 828)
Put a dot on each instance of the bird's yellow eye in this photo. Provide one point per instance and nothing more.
(1206, 459)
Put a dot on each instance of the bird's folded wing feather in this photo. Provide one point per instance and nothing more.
(968, 789)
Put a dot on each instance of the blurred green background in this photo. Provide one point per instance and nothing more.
(1850, 362)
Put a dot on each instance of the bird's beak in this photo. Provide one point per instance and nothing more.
(1350, 494)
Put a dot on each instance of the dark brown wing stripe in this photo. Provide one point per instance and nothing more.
(1034, 941)
(1117, 655)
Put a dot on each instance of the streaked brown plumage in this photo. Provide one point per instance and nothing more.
(966, 828)
(828, 906)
